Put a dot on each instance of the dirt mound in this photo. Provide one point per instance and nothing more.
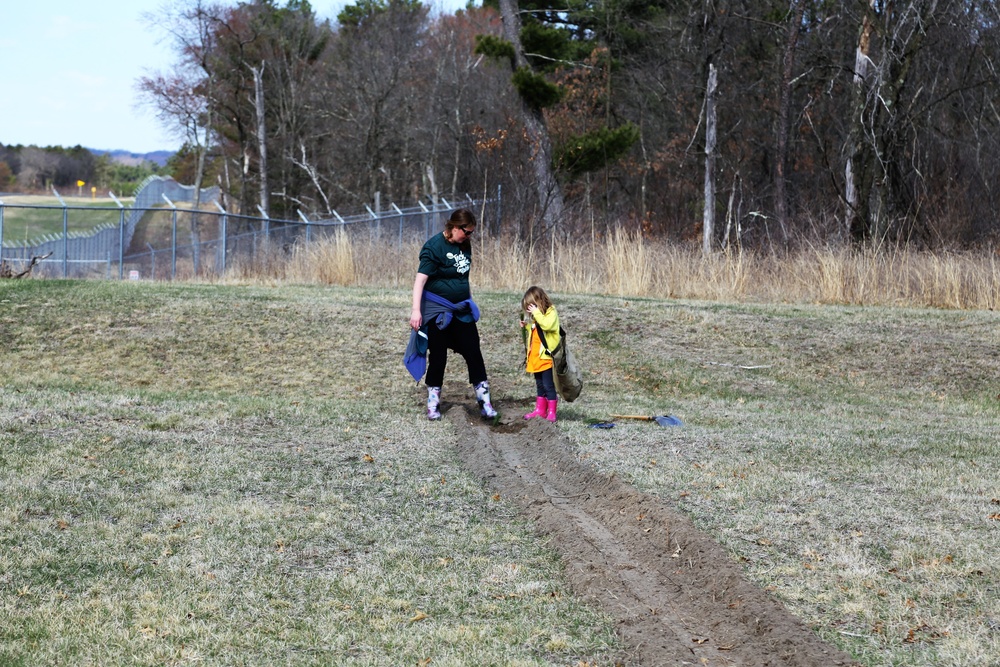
(676, 596)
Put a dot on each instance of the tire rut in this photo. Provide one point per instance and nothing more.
(676, 597)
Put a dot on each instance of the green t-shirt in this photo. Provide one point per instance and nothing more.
(447, 268)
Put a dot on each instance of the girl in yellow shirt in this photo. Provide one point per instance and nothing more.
(542, 319)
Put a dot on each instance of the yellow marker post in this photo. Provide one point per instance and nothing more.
(79, 188)
(93, 192)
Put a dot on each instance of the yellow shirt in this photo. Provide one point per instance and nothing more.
(538, 359)
(535, 363)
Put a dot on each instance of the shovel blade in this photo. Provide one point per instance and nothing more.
(667, 420)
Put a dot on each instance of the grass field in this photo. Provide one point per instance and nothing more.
(243, 475)
(24, 225)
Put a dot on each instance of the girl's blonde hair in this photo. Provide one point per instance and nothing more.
(536, 295)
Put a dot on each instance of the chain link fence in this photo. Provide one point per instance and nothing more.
(163, 237)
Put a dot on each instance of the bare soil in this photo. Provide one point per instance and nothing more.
(675, 595)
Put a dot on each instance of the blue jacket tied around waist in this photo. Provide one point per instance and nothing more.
(438, 311)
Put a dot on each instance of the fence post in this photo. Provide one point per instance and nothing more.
(121, 236)
(222, 230)
(65, 241)
(65, 232)
(399, 244)
(1, 231)
(426, 222)
(266, 222)
(308, 226)
(378, 228)
(173, 237)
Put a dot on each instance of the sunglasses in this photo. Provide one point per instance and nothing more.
(468, 232)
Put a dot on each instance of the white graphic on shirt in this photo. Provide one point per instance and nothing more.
(462, 262)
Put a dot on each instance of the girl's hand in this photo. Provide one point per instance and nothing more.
(415, 319)
(532, 308)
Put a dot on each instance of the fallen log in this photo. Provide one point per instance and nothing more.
(7, 272)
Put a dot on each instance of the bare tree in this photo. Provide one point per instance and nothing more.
(183, 99)
(796, 11)
(38, 168)
(258, 90)
(856, 146)
(368, 101)
(708, 229)
(866, 119)
(549, 191)
(6, 271)
(892, 107)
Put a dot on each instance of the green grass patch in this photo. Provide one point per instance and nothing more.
(45, 217)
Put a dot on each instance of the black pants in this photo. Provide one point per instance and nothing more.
(546, 384)
(460, 337)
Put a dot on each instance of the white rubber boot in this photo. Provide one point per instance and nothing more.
(433, 402)
(483, 398)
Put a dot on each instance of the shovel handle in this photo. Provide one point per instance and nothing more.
(642, 417)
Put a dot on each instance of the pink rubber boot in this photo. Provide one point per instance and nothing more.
(551, 416)
(541, 408)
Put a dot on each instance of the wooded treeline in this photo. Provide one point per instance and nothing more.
(863, 121)
(39, 169)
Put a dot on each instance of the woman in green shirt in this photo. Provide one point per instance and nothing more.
(445, 262)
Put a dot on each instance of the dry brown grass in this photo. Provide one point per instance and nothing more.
(189, 461)
(210, 474)
(333, 259)
(628, 265)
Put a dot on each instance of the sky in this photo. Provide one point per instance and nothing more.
(68, 71)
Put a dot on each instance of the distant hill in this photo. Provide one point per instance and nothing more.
(128, 157)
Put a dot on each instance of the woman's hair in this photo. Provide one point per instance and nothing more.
(536, 295)
(461, 217)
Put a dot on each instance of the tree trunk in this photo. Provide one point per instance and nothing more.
(784, 111)
(854, 170)
(432, 184)
(708, 230)
(196, 206)
(199, 178)
(548, 188)
(457, 159)
(258, 86)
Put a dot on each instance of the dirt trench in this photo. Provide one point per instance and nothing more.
(676, 597)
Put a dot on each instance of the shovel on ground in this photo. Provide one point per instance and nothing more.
(662, 420)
